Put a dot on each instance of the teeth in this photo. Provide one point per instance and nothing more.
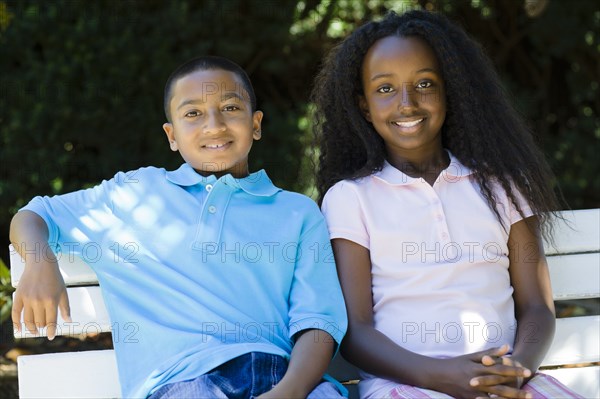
(409, 124)
(215, 145)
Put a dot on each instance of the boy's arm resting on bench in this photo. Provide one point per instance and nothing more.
(41, 290)
(309, 360)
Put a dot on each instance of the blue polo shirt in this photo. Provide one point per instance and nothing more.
(196, 270)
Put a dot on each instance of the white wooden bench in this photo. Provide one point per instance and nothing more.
(573, 358)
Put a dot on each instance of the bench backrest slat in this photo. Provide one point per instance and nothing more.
(580, 233)
(566, 272)
(88, 314)
(74, 270)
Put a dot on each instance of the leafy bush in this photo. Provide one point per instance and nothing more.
(6, 291)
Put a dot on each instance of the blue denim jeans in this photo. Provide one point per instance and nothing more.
(244, 377)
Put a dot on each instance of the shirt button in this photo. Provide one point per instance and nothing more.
(212, 209)
(445, 236)
(439, 217)
(209, 187)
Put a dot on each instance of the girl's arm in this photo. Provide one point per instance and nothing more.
(534, 307)
(375, 353)
(41, 289)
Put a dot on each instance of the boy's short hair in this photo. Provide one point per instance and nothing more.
(206, 63)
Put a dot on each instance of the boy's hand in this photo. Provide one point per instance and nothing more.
(40, 292)
(502, 380)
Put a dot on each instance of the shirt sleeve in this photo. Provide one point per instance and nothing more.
(345, 215)
(316, 299)
(78, 218)
(507, 209)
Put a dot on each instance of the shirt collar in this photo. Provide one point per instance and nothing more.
(393, 176)
(257, 183)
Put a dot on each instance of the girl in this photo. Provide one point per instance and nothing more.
(436, 199)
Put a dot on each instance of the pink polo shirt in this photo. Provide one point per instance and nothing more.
(439, 259)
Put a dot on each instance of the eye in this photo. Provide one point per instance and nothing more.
(425, 84)
(385, 89)
(231, 108)
(192, 114)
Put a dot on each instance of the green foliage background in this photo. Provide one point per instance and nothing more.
(81, 81)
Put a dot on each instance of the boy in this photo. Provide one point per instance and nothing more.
(225, 277)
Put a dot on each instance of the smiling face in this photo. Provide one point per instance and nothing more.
(404, 96)
(213, 126)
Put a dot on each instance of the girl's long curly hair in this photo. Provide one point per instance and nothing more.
(481, 128)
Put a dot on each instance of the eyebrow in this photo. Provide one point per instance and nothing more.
(387, 75)
(224, 97)
(428, 70)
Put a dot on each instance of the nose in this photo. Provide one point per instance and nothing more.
(213, 123)
(408, 97)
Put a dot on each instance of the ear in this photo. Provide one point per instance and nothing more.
(256, 125)
(364, 108)
(168, 128)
